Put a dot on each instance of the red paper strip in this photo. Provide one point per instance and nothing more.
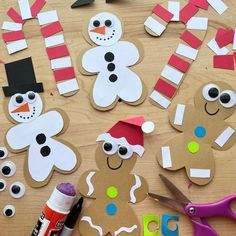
(188, 12)
(165, 88)
(224, 39)
(224, 62)
(162, 13)
(219, 33)
(64, 74)
(57, 52)
(191, 39)
(13, 36)
(15, 16)
(179, 63)
(51, 29)
(200, 3)
(37, 7)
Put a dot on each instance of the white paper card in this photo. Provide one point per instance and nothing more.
(179, 114)
(16, 46)
(234, 43)
(54, 40)
(197, 23)
(68, 86)
(174, 8)
(47, 17)
(11, 26)
(25, 9)
(218, 5)
(225, 136)
(200, 173)
(154, 26)
(166, 157)
(59, 63)
(187, 51)
(161, 100)
(172, 74)
(216, 49)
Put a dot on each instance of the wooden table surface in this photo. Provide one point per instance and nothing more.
(86, 123)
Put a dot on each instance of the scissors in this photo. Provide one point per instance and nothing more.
(197, 213)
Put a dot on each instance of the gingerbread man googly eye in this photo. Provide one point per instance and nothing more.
(9, 211)
(3, 153)
(211, 92)
(8, 168)
(3, 185)
(125, 152)
(17, 190)
(228, 99)
(110, 147)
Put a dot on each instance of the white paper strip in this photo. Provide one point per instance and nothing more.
(54, 40)
(197, 23)
(59, 63)
(225, 136)
(154, 26)
(174, 8)
(68, 86)
(161, 100)
(216, 49)
(166, 157)
(11, 26)
(47, 17)
(25, 9)
(16, 46)
(179, 114)
(187, 51)
(200, 173)
(218, 5)
(172, 74)
(234, 43)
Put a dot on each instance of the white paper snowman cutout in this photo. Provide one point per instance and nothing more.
(110, 60)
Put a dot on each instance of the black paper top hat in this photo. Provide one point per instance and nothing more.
(21, 78)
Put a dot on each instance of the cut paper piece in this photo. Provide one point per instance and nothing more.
(48, 17)
(57, 52)
(37, 7)
(220, 32)
(179, 115)
(225, 38)
(172, 74)
(165, 88)
(64, 74)
(191, 39)
(174, 8)
(61, 63)
(51, 29)
(234, 41)
(13, 36)
(147, 220)
(11, 26)
(187, 51)
(188, 12)
(16, 46)
(14, 15)
(215, 48)
(68, 86)
(162, 13)
(225, 136)
(200, 3)
(179, 63)
(160, 99)
(80, 3)
(224, 62)
(166, 157)
(54, 40)
(218, 5)
(200, 173)
(125, 135)
(154, 26)
(25, 9)
(165, 228)
(198, 23)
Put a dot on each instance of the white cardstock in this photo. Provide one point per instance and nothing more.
(160, 99)
(154, 26)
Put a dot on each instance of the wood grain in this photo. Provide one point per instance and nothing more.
(86, 123)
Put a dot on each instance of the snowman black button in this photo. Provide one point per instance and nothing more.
(41, 138)
(45, 151)
(111, 66)
(113, 78)
(109, 57)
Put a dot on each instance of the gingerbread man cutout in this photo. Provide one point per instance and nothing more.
(113, 186)
(203, 129)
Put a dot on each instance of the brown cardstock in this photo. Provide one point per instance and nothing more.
(136, 42)
(214, 125)
(102, 179)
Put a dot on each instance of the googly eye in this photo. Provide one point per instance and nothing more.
(125, 152)
(211, 92)
(110, 147)
(94, 23)
(31, 96)
(228, 98)
(8, 168)
(17, 190)
(9, 211)
(3, 153)
(3, 185)
(18, 99)
(109, 22)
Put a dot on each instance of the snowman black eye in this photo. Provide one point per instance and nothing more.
(211, 92)
(9, 211)
(108, 23)
(18, 99)
(110, 147)
(3, 185)
(3, 153)
(228, 99)
(8, 168)
(125, 152)
(17, 190)
(96, 23)
(31, 97)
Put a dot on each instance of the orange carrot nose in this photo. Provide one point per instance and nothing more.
(23, 108)
(99, 30)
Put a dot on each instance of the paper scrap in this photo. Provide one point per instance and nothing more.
(13, 36)
(61, 63)
(68, 86)
(165, 88)
(200, 173)
(11, 26)
(179, 63)
(218, 5)
(224, 136)
(179, 114)
(225, 38)
(198, 23)
(187, 51)
(215, 48)
(16, 46)
(25, 9)
(57, 52)
(192, 40)
(154, 26)
(166, 157)
(51, 29)
(37, 7)
(172, 74)
(48, 17)
(174, 8)
(224, 62)
(64, 74)
(160, 99)
(15, 16)
(187, 12)
(54, 40)
(162, 13)
(200, 3)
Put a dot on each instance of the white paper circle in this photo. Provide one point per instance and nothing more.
(148, 127)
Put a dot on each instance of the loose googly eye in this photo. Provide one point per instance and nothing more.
(3, 185)
(211, 92)
(95, 23)
(109, 22)
(3, 153)
(125, 152)
(110, 147)
(228, 98)
(9, 211)
(17, 190)
(8, 168)
(31, 96)
(18, 99)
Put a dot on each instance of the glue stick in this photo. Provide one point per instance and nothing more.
(56, 210)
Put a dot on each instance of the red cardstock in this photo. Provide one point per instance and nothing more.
(165, 88)
(51, 29)
(162, 13)
(13, 36)
(224, 62)
(224, 38)
(187, 12)
(135, 121)
(179, 63)
(191, 39)
(200, 3)
(15, 16)
(37, 7)
(64, 74)
(57, 52)
(219, 33)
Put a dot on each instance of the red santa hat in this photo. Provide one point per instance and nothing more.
(129, 132)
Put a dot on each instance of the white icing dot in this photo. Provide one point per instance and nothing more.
(148, 127)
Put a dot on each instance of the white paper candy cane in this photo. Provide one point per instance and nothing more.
(52, 33)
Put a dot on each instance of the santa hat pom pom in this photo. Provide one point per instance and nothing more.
(148, 127)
